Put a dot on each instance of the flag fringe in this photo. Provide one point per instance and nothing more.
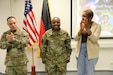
(38, 53)
(29, 48)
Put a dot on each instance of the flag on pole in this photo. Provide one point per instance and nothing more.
(30, 25)
(45, 21)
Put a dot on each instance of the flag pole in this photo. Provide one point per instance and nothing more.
(33, 66)
(30, 27)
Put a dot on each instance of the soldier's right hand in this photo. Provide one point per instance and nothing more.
(43, 62)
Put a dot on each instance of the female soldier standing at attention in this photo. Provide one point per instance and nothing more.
(56, 49)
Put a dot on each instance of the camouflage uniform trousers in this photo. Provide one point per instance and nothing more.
(16, 70)
(56, 67)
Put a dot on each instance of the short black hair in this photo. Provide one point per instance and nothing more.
(10, 17)
(55, 17)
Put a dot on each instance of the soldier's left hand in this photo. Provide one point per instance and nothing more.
(67, 61)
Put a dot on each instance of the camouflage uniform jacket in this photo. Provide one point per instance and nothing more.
(16, 49)
(56, 45)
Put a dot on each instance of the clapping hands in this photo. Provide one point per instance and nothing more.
(84, 29)
(10, 37)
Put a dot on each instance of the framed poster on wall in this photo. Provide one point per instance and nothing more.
(103, 14)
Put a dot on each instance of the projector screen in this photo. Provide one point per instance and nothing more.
(103, 14)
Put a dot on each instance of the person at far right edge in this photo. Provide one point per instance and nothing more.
(87, 48)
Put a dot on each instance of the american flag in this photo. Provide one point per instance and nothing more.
(30, 25)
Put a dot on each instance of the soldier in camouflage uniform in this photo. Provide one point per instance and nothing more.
(56, 49)
(15, 41)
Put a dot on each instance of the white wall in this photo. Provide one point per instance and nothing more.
(60, 8)
(5, 11)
